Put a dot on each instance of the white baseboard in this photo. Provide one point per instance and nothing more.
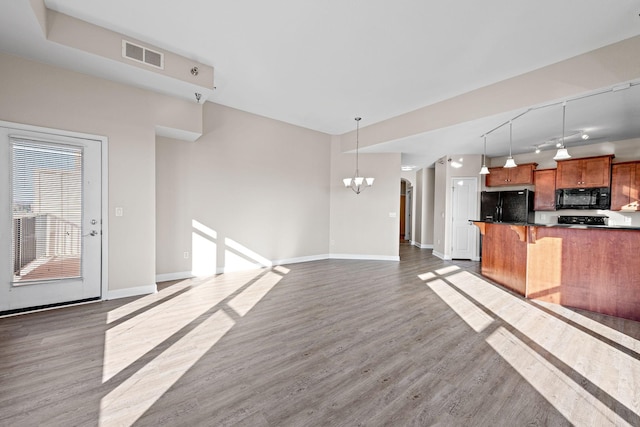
(300, 259)
(132, 292)
(421, 246)
(365, 257)
(441, 256)
(173, 276)
(221, 270)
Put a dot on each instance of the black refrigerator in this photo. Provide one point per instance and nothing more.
(507, 206)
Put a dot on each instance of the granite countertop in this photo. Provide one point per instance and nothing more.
(580, 226)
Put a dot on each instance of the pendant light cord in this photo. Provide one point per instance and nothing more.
(564, 112)
(484, 154)
(510, 136)
(357, 143)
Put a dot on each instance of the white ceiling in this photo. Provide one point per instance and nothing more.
(318, 64)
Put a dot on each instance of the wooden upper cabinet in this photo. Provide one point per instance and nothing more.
(588, 172)
(520, 175)
(544, 198)
(625, 186)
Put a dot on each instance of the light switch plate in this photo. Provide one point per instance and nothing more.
(119, 212)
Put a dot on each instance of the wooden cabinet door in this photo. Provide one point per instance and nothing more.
(569, 174)
(544, 198)
(596, 172)
(522, 175)
(590, 172)
(497, 177)
(625, 187)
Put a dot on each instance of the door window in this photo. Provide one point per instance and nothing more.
(46, 187)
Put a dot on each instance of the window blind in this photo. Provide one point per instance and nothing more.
(46, 185)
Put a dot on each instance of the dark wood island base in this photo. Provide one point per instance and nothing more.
(591, 268)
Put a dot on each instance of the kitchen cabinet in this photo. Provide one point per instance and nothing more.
(588, 172)
(625, 186)
(590, 268)
(520, 175)
(545, 190)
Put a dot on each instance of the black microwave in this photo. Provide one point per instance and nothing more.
(583, 198)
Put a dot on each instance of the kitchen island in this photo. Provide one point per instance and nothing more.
(595, 268)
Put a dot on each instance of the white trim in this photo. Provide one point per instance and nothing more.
(365, 257)
(221, 270)
(421, 246)
(132, 292)
(441, 256)
(174, 276)
(105, 217)
(300, 259)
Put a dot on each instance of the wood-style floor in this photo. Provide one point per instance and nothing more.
(327, 343)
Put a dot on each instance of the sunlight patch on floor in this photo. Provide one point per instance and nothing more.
(133, 397)
(560, 390)
(446, 270)
(213, 302)
(128, 341)
(612, 373)
(574, 347)
(249, 297)
(144, 301)
(467, 311)
(597, 327)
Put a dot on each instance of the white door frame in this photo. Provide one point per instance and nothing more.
(104, 187)
(408, 212)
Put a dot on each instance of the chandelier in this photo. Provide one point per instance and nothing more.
(357, 182)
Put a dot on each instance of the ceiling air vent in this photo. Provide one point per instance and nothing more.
(142, 54)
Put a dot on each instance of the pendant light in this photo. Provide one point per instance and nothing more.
(562, 151)
(510, 163)
(357, 183)
(484, 170)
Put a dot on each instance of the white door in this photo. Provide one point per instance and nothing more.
(50, 219)
(464, 207)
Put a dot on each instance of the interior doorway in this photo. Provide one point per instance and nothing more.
(406, 208)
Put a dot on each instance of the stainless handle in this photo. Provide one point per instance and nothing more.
(93, 233)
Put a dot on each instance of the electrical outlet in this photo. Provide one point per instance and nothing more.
(119, 212)
(186, 255)
(627, 220)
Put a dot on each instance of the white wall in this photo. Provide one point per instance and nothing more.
(42, 95)
(361, 226)
(424, 203)
(261, 185)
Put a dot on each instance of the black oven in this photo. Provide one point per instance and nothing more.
(583, 198)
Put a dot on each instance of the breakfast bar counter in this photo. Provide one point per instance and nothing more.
(595, 268)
